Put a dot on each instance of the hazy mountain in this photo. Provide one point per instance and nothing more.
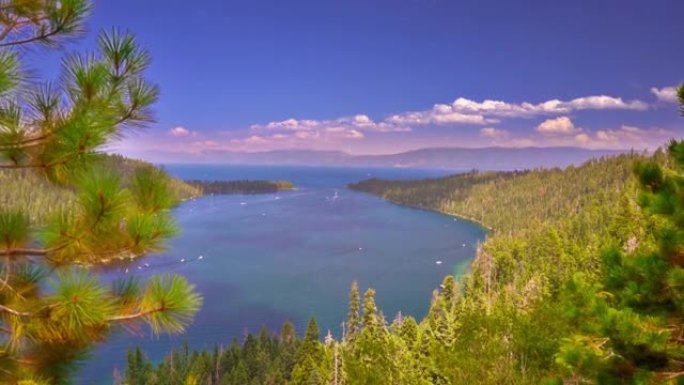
(499, 158)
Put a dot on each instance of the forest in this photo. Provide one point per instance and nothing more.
(240, 186)
(579, 281)
(24, 189)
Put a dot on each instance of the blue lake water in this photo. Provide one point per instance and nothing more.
(262, 259)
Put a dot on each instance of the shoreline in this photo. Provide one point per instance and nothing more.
(453, 215)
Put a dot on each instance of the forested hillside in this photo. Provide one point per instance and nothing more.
(552, 297)
(512, 201)
(27, 190)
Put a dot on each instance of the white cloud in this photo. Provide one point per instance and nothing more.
(622, 138)
(560, 125)
(604, 102)
(665, 94)
(290, 124)
(342, 132)
(315, 136)
(494, 133)
(635, 136)
(423, 118)
(512, 110)
(582, 139)
(357, 123)
(180, 132)
(554, 106)
(354, 134)
(466, 111)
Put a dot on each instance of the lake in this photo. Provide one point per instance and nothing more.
(259, 260)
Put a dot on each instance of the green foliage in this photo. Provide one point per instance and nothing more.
(240, 186)
(168, 303)
(29, 192)
(632, 319)
(14, 230)
(353, 319)
(64, 204)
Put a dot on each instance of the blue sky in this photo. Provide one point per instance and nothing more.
(380, 76)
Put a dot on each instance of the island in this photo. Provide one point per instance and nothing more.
(227, 187)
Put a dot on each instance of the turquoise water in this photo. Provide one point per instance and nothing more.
(260, 260)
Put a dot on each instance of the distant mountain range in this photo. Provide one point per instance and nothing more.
(489, 158)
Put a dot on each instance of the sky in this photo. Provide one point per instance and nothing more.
(384, 76)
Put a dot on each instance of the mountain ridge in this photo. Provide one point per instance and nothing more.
(457, 158)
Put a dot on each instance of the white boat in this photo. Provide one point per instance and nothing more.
(438, 262)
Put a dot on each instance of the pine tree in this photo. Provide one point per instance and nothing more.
(631, 323)
(52, 312)
(311, 346)
(353, 318)
(370, 358)
(307, 370)
(138, 368)
(370, 320)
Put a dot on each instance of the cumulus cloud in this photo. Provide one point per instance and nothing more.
(665, 94)
(582, 139)
(441, 114)
(341, 132)
(349, 127)
(604, 102)
(470, 112)
(560, 125)
(180, 132)
(494, 133)
(289, 124)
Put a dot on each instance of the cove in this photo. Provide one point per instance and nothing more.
(259, 260)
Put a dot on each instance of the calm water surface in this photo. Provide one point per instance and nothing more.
(262, 259)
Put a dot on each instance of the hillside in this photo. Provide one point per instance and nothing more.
(516, 200)
(25, 189)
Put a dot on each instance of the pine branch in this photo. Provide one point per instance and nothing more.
(129, 317)
(15, 312)
(42, 37)
(26, 143)
(25, 252)
(21, 166)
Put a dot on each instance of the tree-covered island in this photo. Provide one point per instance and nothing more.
(228, 187)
